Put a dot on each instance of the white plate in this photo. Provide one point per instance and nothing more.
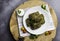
(48, 25)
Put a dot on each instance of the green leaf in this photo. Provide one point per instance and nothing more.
(19, 11)
(43, 6)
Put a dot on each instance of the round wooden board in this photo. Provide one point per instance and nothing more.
(14, 27)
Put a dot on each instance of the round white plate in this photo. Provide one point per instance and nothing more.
(43, 27)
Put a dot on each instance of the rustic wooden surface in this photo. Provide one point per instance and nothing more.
(13, 22)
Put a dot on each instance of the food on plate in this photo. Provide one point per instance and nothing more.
(23, 29)
(35, 20)
(28, 22)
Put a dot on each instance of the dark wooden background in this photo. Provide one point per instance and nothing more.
(6, 9)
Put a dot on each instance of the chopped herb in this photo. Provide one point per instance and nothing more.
(33, 36)
(43, 6)
(19, 11)
(47, 33)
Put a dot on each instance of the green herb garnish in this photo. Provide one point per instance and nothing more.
(43, 6)
(47, 33)
(33, 36)
(19, 11)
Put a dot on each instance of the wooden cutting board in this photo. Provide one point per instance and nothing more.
(14, 26)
